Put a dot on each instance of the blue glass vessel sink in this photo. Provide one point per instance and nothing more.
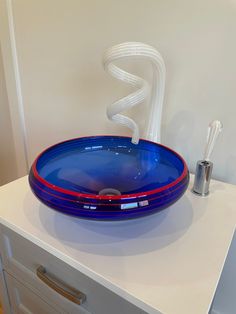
(108, 177)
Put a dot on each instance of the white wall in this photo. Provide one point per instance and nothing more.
(65, 90)
(8, 171)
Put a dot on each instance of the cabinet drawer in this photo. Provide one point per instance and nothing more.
(22, 258)
(24, 301)
(30, 281)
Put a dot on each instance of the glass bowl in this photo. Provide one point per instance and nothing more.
(108, 177)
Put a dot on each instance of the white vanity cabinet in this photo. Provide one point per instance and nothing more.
(24, 300)
(38, 282)
(168, 263)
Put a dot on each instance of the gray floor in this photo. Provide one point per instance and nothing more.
(225, 297)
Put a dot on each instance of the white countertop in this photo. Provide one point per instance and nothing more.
(169, 262)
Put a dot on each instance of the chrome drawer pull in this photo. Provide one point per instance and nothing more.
(66, 291)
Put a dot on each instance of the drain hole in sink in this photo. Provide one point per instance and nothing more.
(109, 192)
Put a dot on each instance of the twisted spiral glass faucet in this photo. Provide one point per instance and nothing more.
(144, 51)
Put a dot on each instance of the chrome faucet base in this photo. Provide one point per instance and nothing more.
(202, 177)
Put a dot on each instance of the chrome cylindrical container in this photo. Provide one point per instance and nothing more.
(202, 177)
